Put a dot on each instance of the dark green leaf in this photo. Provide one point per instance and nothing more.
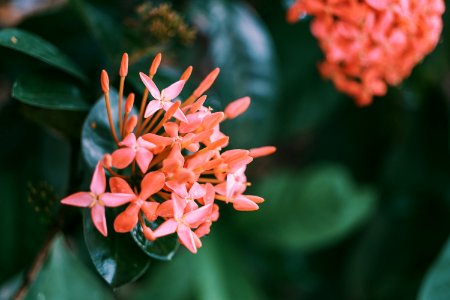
(96, 135)
(37, 47)
(116, 257)
(217, 271)
(163, 248)
(64, 277)
(105, 30)
(50, 92)
(241, 46)
(309, 210)
(66, 123)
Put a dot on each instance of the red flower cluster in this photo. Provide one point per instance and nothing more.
(181, 169)
(369, 44)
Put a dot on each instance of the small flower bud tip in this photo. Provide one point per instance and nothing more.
(237, 107)
(207, 82)
(186, 74)
(131, 124)
(129, 103)
(104, 79)
(124, 66)
(262, 151)
(155, 64)
(107, 161)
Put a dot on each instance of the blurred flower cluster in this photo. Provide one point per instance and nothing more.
(169, 166)
(373, 43)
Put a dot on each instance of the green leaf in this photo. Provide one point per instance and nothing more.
(39, 48)
(436, 284)
(50, 92)
(63, 122)
(163, 248)
(105, 30)
(309, 210)
(116, 257)
(241, 46)
(217, 271)
(64, 277)
(96, 137)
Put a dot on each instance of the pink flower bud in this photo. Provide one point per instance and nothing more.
(104, 79)
(237, 107)
(155, 64)
(207, 82)
(129, 103)
(262, 151)
(186, 74)
(124, 66)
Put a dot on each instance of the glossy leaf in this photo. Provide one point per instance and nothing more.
(241, 46)
(309, 210)
(116, 257)
(217, 271)
(163, 248)
(49, 92)
(96, 136)
(39, 48)
(63, 122)
(64, 277)
(436, 284)
(103, 28)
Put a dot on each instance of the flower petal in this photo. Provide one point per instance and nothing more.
(143, 159)
(150, 85)
(98, 183)
(116, 199)
(196, 191)
(171, 128)
(80, 199)
(166, 228)
(165, 209)
(173, 90)
(99, 219)
(152, 107)
(152, 183)
(127, 219)
(179, 204)
(242, 203)
(129, 141)
(119, 185)
(187, 239)
(197, 216)
(157, 139)
(122, 158)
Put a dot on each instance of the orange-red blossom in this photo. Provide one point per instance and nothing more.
(181, 169)
(373, 43)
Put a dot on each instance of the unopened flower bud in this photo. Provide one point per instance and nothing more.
(104, 79)
(237, 107)
(129, 103)
(131, 124)
(155, 64)
(186, 74)
(124, 66)
(262, 151)
(207, 82)
(107, 161)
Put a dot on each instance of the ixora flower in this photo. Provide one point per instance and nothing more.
(182, 170)
(373, 43)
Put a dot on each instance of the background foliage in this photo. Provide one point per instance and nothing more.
(357, 199)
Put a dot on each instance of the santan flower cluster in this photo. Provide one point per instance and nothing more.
(369, 44)
(169, 165)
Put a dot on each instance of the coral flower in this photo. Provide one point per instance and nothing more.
(97, 199)
(371, 44)
(163, 99)
(183, 169)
